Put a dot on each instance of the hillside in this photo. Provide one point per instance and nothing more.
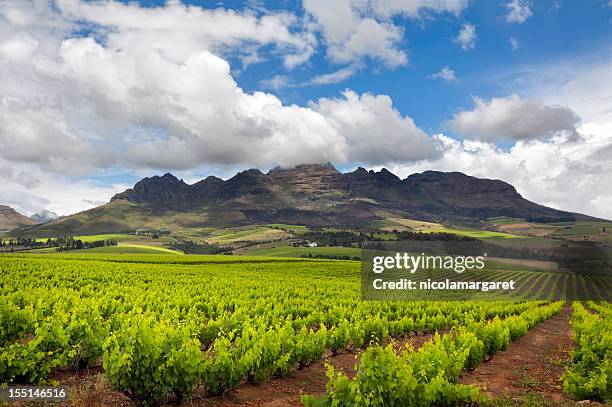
(11, 219)
(316, 195)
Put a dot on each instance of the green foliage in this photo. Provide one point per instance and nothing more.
(428, 376)
(15, 321)
(589, 375)
(221, 370)
(147, 359)
(166, 324)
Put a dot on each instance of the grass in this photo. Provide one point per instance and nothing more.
(92, 238)
(290, 251)
(584, 228)
(569, 230)
(415, 224)
(128, 249)
(250, 234)
(117, 237)
(120, 249)
(385, 236)
(505, 220)
(478, 234)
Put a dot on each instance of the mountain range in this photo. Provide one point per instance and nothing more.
(11, 219)
(315, 195)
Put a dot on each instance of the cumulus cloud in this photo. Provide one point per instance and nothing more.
(151, 87)
(353, 30)
(29, 190)
(518, 11)
(177, 30)
(513, 118)
(23, 202)
(467, 37)
(445, 74)
(39, 133)
(23, 178)
(374, 131)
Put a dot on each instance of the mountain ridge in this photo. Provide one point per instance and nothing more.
(310, 194)
(11, 219)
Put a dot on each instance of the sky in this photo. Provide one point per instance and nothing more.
(95, 95)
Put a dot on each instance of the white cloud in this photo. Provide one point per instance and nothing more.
(334, 77)
(23, 202)
(18, 47)
(24, 178)
(446, 74)
(467, 37)
(276, 82)
(556, 173)
(415, 8)
(155, 69)
(29, 190)
(151, 92)
(584, 85)
(513, 118)
(354, 30)
(375, 132)
(518, 11)
(514, 43)
(176, 30)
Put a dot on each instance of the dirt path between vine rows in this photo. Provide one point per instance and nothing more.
(529, 371)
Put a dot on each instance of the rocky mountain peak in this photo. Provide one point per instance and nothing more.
(156, 190)
(308, 178)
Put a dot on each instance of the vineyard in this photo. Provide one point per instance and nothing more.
(163, 327)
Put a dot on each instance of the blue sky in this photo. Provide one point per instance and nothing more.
(100, 94)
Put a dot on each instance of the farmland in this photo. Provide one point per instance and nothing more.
(167, 328)
(290, 251)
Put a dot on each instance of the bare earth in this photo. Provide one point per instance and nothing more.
(529, 371)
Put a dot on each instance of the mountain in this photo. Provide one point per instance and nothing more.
(44, 216)
(11, 219)
(316, 195)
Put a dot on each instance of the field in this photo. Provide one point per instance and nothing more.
(239, 330)
(290, 251)
(91, 238)
(478, 234)
(125, 248)
(248, 234)
(390, 224)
